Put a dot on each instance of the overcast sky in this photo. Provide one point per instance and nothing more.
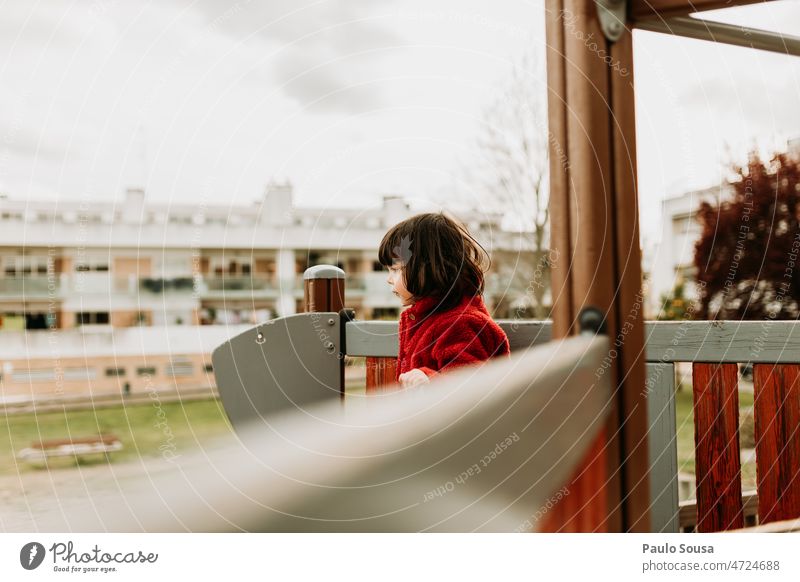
(349, 100)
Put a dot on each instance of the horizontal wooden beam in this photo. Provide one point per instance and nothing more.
(765, 341)
(379, 338)
(723, 341)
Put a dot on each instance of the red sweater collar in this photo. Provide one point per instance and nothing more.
(423, 306)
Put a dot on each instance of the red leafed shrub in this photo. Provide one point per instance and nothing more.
(748, 256)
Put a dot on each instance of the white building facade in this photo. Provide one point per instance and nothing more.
(136, 263)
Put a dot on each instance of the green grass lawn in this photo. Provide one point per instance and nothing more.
(146, 430)
(685, 432)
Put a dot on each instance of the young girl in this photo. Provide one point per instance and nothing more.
(436, 268)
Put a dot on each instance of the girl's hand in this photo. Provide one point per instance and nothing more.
(415, 377)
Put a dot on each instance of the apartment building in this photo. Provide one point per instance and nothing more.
(98, 277)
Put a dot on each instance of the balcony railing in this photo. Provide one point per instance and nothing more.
(238, 283)
(176, 284)
(32, 286)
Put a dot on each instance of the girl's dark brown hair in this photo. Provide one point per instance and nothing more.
(440, 258)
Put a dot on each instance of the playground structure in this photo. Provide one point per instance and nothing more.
(594, 229)
(588, 451)
(294, 363)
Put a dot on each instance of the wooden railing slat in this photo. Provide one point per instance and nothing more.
(716, 436)
(380, 372)
(777, 432)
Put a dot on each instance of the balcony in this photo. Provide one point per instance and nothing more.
(158, 285)
(236, 287)
(39, 286)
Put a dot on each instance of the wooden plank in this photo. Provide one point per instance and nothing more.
(563, 306)
(379, 338)
(645, 9)
(716, 437)
(663, 448)
(723, 341)
(628, 293)
(777, 433)
(581, 198)
(666, 341)
(381, 373)
(371, 338)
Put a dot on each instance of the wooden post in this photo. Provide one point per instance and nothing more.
(716, 436)
(323, 291)
(595, 242)
(777, 432)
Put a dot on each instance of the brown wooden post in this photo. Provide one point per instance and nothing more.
(777, 432)
(595, 244)
(323, 291)
(716, 436)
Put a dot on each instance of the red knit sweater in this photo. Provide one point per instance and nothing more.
(432, 342)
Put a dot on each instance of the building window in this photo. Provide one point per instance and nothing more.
(92, 318)
(86, 267)
(114, 372)
(146, 371)
(80, 374)
(179, 368)
(34, 375)
(209, 369)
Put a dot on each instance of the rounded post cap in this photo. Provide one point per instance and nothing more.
(323, 272)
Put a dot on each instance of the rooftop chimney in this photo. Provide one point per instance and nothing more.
(277, 208)
(133, 206)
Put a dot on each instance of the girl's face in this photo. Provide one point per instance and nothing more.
(397, 282)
